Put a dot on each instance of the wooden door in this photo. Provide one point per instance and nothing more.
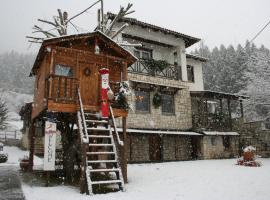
(89, 83)
(155, 148)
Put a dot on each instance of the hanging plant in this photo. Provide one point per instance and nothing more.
(157, 100)
(122, 97)
(156, 65)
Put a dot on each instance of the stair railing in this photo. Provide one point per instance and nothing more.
(120, 142)
(85, 176)
(82, 117)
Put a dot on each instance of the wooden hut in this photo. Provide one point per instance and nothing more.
(68, 82)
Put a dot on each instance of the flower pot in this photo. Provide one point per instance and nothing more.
(248, 156)
(24, 164)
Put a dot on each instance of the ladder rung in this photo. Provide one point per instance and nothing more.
(101, 161)
(96, 153)
(106, 182)
(105, 170)
(100, 145)
(99, 136)
(97, 121)
(98, 129)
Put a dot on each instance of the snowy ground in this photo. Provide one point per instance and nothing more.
(187, 180)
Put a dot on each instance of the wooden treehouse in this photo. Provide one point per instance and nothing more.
(68, 81)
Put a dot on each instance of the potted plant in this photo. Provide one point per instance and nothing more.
(24, 163)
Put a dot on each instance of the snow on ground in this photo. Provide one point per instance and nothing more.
(184, 180)
(15, 154)
(187, 180)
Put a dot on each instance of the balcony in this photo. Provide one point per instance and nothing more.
(62, 89)
(170, 72)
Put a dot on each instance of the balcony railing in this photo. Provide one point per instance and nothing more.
(62, 89)
(217, 122)
(170, 72)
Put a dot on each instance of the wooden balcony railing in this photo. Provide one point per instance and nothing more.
(211, 122)
(170, 72)
(62, 89)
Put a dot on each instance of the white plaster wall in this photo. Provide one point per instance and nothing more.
(198, 75)
(160, 52)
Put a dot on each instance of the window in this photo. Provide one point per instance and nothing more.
(143, 53)
(190, 73)
(213, 141)
(167, 105)
(62, 70)
(226, 142)
(142, 101)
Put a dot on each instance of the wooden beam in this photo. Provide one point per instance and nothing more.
(124, 150)
(221, 105)
(230, 112)
(241, 108)
(32, 145)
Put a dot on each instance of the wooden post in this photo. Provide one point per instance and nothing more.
(241, 108)
(230, 112)
(221, 105)
(124, 125)
(47, 178)
(32, 146)
(123, 150)
(83, 188)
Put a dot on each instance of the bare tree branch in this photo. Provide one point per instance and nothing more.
(119, 30)
(35, 38)
(83, 11)
(122, 12)
(48, 22)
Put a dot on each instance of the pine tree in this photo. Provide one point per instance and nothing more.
(3, 114)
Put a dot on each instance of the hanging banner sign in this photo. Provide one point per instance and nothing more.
(49, 146)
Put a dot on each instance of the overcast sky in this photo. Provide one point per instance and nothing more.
(215, 21)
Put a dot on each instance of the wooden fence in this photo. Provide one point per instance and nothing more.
(10, 135)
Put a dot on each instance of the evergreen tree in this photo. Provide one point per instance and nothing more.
(3, 114)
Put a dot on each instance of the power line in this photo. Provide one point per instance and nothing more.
(259, 32)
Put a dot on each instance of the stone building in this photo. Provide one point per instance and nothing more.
(172, 129)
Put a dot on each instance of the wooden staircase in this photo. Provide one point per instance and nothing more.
(101, 166)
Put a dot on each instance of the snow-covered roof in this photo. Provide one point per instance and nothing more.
(196, 57)
(189, 40)
(214, 94)
(161, 132)
(220, 133)
(56, 40)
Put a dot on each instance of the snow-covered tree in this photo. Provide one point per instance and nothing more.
(258, 106)
(3, 114)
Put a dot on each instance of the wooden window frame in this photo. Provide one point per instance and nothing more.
(173, 108)
(148, 102)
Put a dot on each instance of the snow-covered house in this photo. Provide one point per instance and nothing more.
(169, 101)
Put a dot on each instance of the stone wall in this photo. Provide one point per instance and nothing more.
(255, 134)
(181, 119)
(176, 148)
(138, 148)
(173, 147)
(212, 147)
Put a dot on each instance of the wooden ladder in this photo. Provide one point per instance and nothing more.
(101, 165)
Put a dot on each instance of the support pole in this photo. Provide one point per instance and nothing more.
(123, 150)
(32, 146)
(230, 113)
(221, 105)
(241, 108)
